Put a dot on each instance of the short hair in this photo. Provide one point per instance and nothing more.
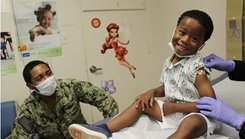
(203, 18)
(29, 67)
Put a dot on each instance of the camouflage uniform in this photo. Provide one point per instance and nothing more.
(35, 117)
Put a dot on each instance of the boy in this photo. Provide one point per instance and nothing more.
(184, 79)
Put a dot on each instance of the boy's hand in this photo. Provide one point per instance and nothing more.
(145, 100)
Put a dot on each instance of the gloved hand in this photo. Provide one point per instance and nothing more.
(220, 110)
(213, 61)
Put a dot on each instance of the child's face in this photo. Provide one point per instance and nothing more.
(188, 37)
(113, 33)
(47, 20)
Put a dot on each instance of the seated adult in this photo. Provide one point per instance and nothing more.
(54, 103)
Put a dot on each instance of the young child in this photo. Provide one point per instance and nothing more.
(45, 18)
(184, 78)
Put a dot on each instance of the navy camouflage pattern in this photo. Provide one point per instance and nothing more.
(35, 116)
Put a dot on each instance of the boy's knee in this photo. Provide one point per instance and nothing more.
(194, 123)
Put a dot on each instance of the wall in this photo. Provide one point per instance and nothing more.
(162, 16)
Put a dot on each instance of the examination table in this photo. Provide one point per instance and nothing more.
(147, 128)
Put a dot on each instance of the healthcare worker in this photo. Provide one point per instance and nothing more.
(216, 108)
(54, 103)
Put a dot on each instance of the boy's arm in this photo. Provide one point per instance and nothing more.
(203, 85)
(204, 88)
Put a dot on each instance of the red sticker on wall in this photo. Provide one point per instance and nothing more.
(95, 22)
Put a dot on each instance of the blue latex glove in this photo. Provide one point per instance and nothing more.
(213, 61)
(220, 110)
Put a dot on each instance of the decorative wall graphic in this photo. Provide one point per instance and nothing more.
(112, 41)
(108, 86)
(95, 22)
(8, 65)
(37, 29)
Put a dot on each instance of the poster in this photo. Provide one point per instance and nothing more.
(8, 65)
(37, 29)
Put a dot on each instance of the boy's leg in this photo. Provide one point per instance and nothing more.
(192, 126)
(130, 115)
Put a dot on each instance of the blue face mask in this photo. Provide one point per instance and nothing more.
(47, 87)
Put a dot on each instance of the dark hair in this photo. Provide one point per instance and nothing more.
(29, 67)
(41, 11)
(112, 26)
(203, 18)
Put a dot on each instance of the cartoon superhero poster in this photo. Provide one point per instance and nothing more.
(37, 31)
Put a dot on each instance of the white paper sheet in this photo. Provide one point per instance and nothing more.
(147, 128)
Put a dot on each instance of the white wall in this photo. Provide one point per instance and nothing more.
(162, 16)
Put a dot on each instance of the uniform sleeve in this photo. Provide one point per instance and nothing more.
(88, 93)
(23, 127)
(238, 74)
